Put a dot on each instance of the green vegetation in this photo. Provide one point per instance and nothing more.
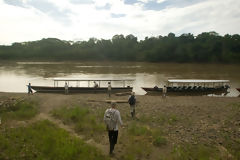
(136, 148)
(19, 111)
(43, 140)
(200, 152)
(137, 130)
(205, 47)
(160, 141)
(82, 118)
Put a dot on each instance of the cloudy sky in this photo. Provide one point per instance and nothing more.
(28, 20)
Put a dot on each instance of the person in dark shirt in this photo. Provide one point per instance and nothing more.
(132, 103)
(29, 89)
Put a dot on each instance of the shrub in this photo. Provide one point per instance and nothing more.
(159, 141)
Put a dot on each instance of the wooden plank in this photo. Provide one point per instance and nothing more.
(123, 93)
(108, 101)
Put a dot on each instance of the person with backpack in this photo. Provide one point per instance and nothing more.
(132, 102)
(112, 118)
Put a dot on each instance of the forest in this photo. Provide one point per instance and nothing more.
(207, 47)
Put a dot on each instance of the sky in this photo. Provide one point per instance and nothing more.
(77, 20)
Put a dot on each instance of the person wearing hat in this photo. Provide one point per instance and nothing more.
(112, 118)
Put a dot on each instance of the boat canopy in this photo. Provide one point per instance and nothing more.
(196, 81)
(78, 80)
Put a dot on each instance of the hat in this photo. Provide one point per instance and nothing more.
(113, 104)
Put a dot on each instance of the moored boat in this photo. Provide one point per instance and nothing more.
(192, 87)
(84, 89)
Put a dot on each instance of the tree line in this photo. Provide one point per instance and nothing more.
(207, 47)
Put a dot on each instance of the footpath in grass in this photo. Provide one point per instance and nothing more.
(38, 140)
(44, 140)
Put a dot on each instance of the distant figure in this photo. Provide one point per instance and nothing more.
(66, 88)
(164, 91)
(111, 118)
(155, 87)
(132, 102)
(109, 89)
(29, 88)
(95, 84)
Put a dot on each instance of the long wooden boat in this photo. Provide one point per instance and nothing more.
(84, 89)
(192, 87)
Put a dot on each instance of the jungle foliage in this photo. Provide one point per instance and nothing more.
(206, 47)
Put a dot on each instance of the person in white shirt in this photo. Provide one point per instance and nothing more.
(66, 88)
(109, 89)
(113, 129)
(95, 84)
(164, 91)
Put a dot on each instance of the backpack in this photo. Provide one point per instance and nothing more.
(110, 120)
(132, 100)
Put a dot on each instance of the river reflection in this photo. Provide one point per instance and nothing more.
(15, 75)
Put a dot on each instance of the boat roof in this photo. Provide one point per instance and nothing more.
(196, 81)
(79, 79)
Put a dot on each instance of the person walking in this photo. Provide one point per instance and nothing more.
(66, 88)
(29, 88)
(132, 103)
(109, 89)
(112, 118)
(164, 92)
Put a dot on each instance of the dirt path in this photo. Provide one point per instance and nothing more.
(69, 129)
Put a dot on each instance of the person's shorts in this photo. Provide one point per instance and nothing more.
(132, 108)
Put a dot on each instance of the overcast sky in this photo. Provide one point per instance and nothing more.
(29, 20)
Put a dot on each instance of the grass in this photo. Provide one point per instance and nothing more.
(200, 152)
(83, 119)
(160, 141)
(137, 130)
(43, 140)
(136, 148)
(19, 111)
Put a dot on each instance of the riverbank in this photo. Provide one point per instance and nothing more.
(170, 128)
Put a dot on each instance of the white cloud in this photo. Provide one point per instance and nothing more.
(160, 1)
(83, 21)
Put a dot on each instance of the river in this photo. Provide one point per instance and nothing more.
(14, 76)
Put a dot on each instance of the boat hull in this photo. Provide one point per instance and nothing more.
(238, 89)
(174, 91)
(45, 89)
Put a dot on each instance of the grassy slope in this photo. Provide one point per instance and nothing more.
(40, 140)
